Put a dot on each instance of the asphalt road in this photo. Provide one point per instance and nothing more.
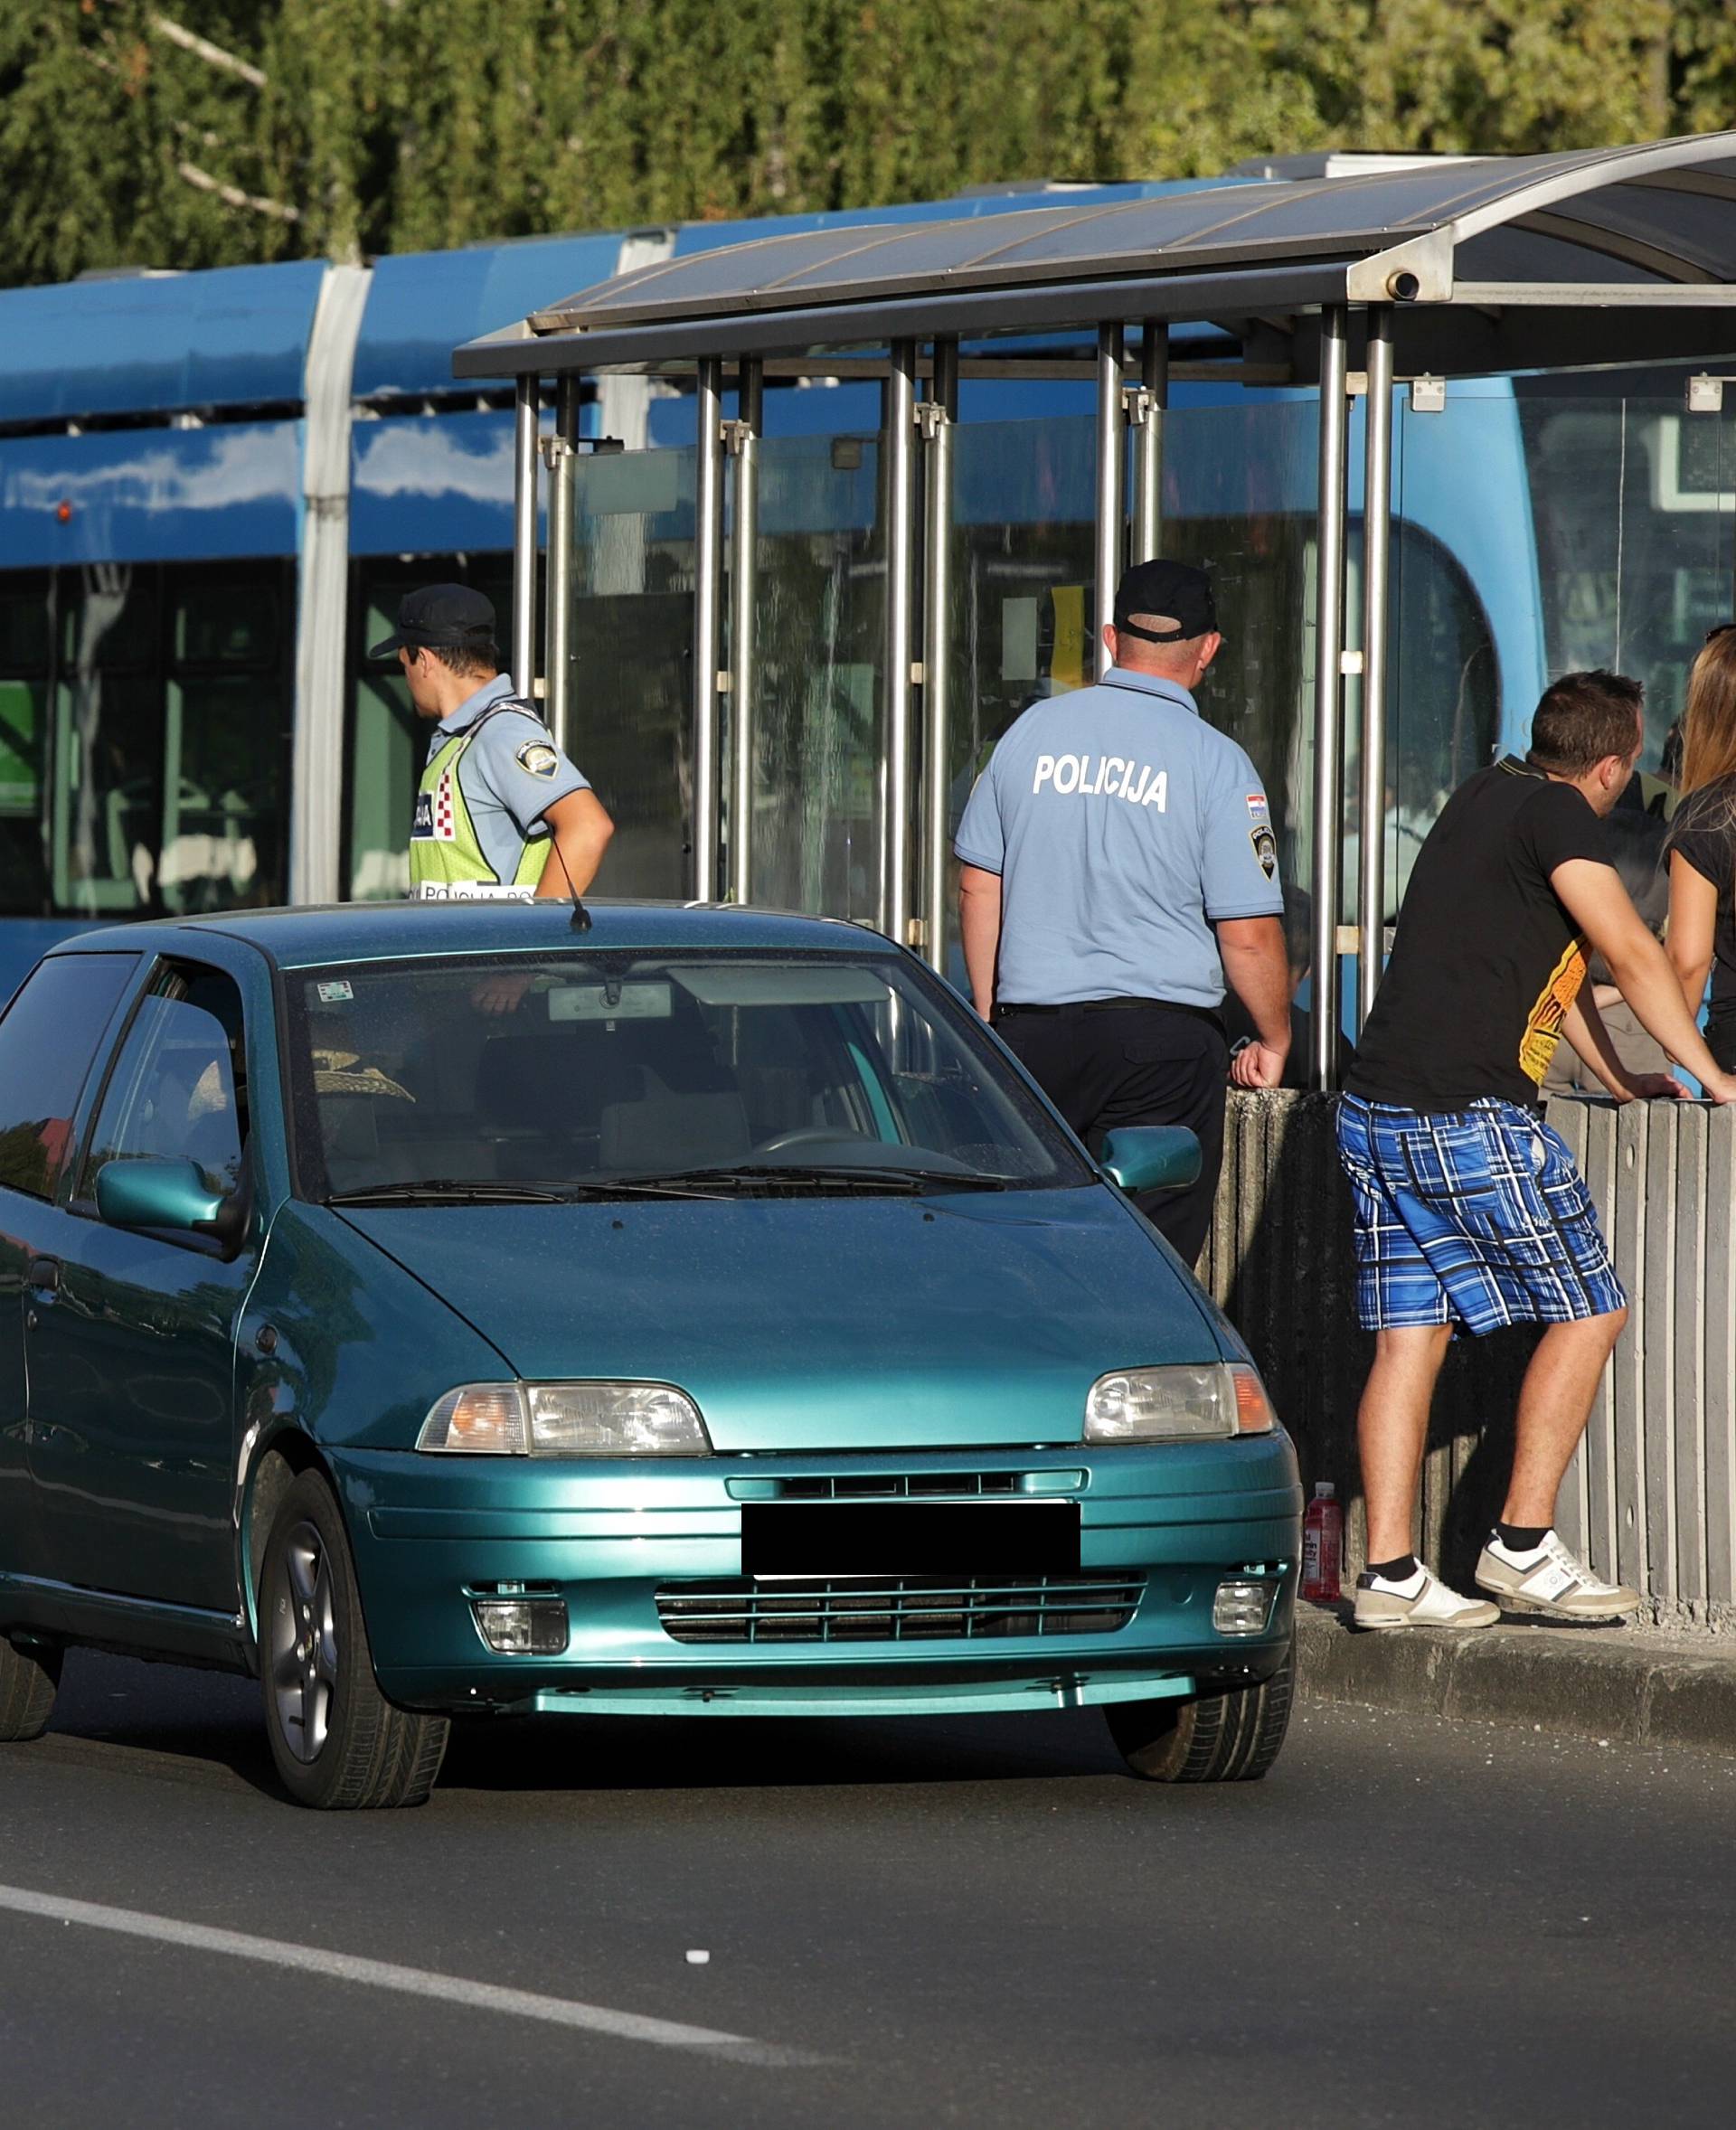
(916, 1923)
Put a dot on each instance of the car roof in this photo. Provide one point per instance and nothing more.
(390, 931)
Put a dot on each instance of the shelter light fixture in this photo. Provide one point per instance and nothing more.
(1706, 393)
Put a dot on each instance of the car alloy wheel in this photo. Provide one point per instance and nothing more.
(303, 1647)
(338, 1743)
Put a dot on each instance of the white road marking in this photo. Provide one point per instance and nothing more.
(386, 1974)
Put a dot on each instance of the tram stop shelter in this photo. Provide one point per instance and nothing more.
(1345, 286)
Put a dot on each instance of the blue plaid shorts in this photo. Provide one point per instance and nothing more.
(1475, 1217)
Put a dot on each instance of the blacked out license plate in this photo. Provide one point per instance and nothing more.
(910, 1538)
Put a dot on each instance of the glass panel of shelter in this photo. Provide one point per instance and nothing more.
(1634, 500)
(632, 636)
(1020, 627)
(818, 778)
(1617, 513)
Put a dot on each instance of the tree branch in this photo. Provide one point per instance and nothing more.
(212, 54)
(233, 196)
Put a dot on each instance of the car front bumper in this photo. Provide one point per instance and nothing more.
(1167, 1523)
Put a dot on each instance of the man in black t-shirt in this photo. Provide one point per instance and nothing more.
(1469, 1211)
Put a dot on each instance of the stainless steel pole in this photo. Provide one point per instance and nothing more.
(1148, 445)
(524, 537)
(937, 648)
(1328, 696)
(1111, 431)
(1377, 533)
(708, 573)
(563, 488)
(744, 585)
(898, 405)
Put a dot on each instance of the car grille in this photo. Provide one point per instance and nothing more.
(896, 1608)
(864, 1486)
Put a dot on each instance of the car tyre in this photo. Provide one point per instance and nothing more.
(1215, 1737)
(339, 1744)
(30, 1677)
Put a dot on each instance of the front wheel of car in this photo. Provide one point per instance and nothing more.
(30, 1677)
(339, 1745)
(1215, 1737)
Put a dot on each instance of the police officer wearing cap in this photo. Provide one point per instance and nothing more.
(1118, 867)
(500, 811)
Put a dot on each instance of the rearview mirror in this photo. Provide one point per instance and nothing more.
(1152, 1156)
(154, 1193)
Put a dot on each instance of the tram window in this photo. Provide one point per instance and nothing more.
(387, 743)
(228, 626)
(25, 643)
(144, 717)
(1631, 499)
(107, 796)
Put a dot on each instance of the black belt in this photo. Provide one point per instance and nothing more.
(1117, 1006)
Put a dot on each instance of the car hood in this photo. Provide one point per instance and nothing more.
(810, 1323)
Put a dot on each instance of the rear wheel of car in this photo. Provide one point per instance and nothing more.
(1216, 1737)
(338, 1743)
(30, 1676)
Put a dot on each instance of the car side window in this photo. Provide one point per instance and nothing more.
(178, 1090)
(48, 1043)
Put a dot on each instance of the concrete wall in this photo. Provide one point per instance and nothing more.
(1651, 1498)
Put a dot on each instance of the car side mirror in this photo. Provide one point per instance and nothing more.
(1152, 1156)
(159, 1192)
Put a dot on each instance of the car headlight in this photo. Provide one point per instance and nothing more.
(566, 1420)
(1172, 1404)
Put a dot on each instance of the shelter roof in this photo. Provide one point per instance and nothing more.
(1647, 227)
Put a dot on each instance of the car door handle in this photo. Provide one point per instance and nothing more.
(44, 1275)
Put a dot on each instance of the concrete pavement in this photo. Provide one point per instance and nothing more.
(1629, 1684)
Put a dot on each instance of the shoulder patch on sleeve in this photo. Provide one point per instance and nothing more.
(1265, 850)
(536, 758)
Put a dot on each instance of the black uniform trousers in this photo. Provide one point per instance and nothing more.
(1109, 1063)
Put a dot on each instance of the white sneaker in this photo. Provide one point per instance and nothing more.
(1549, 1579)
(1423, 1600)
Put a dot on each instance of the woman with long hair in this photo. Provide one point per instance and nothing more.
(1703, 844)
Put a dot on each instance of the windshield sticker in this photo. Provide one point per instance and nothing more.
(536, 758)
(335, 995)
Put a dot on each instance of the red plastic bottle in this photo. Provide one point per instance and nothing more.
(1323, 1544)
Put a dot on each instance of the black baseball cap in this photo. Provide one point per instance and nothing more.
(1174, 591)
(440, 617)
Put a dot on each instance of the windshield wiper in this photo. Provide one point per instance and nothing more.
(448, 1191)
(892, 1178)
(452, 1190)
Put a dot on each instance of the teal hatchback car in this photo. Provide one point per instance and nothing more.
(443, 1311)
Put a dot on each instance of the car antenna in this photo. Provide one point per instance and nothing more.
(580, 920)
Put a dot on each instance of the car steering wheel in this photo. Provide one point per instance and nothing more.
(803, 1134)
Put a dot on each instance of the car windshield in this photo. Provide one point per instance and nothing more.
(610, 1072)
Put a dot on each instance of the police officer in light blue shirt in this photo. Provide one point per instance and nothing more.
(1119, 866)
